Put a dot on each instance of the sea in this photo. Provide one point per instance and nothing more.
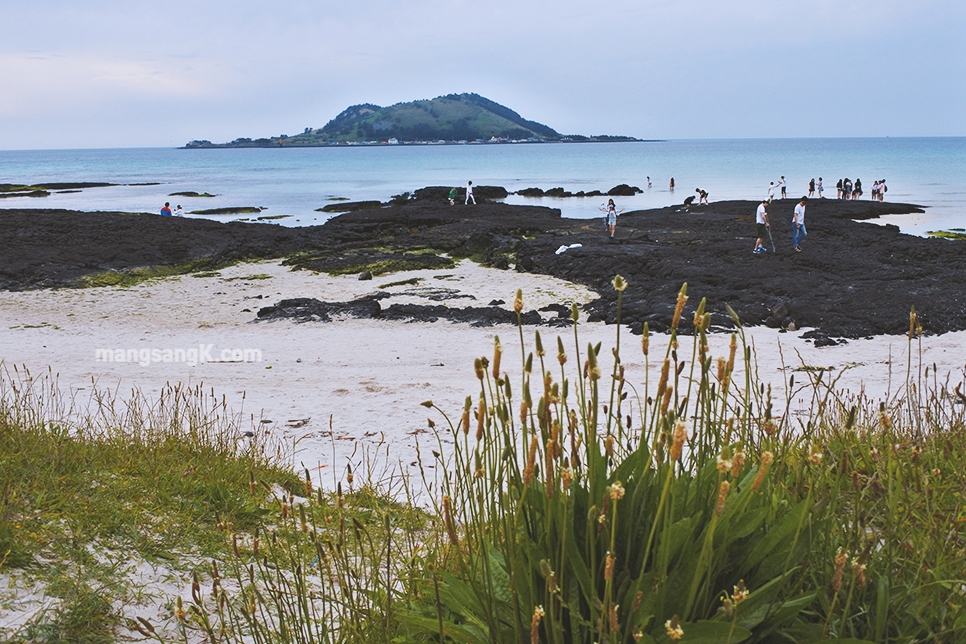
(290, 184)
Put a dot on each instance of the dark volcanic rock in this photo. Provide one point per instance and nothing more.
(349, 206)
(312, 310)
(852, 279)
(441, 193)
(623, 190)
(49, 248)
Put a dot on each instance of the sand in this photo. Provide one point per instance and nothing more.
(349, 391)
(332, 391)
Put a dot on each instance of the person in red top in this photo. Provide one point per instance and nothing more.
(166, 211)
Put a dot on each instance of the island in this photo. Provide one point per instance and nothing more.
(450, 119)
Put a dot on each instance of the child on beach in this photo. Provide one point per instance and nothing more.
(452, 196)
(811, 188)
(818, 186)
(703, 195)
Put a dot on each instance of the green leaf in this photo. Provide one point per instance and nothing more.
(778, 536)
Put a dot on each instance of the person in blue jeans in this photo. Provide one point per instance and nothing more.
(798, 225)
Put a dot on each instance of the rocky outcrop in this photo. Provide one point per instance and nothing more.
(852, 279)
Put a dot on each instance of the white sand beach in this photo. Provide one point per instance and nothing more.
(327, 389)
(350, 390)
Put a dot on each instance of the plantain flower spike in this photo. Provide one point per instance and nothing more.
(682, 300)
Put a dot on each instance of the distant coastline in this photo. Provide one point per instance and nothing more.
(280, 143)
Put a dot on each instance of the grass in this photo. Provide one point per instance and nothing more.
(153, 480)
(249, 278)
(382, 267)
(574, 502)
(953, 233)
(413, 281)
(130, 277)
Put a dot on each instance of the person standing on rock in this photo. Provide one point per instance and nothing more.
(469, 194)
(798, 225)
(811, 188)
(611, 213)
(838, 189)
(818, 186)
(761, 225)
(166, 211)
(452, 196)
(781, 185)
(771, 191)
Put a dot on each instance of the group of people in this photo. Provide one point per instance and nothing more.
(763, 227)
(845, 189)
(814, 187)
(782, 185)
(166, 210)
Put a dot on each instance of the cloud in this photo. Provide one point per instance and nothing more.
(57, 83)
(653, 68)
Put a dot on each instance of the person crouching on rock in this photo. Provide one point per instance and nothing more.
(761, 226)
(703, 194)
(611, 212)
(452, 196)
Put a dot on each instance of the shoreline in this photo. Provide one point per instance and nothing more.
(334, 390)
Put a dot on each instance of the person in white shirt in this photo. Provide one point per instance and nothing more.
(771, 191)
(798, 225)
(781, 184)
(818, 186)
(469, 194)
(178, 212)
(761, 225)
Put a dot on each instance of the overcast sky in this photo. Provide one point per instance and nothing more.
(106, 73)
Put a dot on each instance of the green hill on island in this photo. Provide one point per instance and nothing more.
(451, 118)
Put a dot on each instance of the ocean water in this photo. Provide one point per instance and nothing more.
(926, 171)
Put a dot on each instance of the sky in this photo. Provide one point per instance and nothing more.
(106, 73)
